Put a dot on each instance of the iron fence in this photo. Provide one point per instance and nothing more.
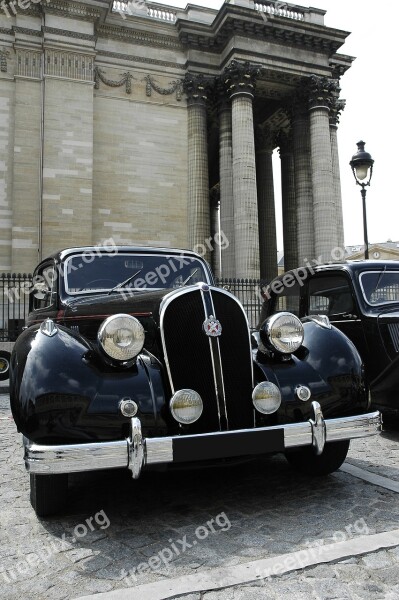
(248, 291)
(14, 304)
(14, 301)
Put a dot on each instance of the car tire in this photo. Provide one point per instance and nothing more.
(306, 461)
(4, 365)
(48, 493)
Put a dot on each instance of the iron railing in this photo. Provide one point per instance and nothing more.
(15, 288)
(14, 304)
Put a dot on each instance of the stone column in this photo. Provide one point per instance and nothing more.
(240, 80)
(199, 228)
(324, 209)
(289, 206)
(265, 142)
(303, 179)
(335, 112)
(228, 267)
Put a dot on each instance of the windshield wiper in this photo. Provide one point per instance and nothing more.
(128, 280)
(189, 277)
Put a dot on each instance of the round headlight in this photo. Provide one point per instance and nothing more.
(266, 397)
(282, 332)
(121, 337)
(186, 406)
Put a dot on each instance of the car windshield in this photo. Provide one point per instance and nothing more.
(88, 273)
(380, 287)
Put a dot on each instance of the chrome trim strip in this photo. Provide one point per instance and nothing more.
(216, 342)
(216, 361)
(111, 455)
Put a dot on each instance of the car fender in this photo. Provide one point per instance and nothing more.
(328, 364)
(62, 389)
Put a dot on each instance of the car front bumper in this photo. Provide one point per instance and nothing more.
(137, 452)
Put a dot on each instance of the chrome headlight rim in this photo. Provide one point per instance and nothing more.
(270, 340)
(121, 325)
(182, 396)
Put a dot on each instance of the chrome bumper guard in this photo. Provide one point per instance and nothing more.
(136, 452)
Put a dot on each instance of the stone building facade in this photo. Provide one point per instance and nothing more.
(147, 124)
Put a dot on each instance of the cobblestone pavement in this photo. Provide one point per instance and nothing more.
(259, 510)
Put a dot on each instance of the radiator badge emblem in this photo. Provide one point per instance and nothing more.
(212, 327)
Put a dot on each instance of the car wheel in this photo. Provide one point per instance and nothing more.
(4, 365)
(306, 461)
(48, 493)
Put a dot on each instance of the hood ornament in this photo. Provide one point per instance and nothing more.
(212, 327)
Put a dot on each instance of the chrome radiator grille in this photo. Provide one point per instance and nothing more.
(218, 368)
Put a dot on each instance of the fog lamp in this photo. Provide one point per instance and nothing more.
(186, 406)
(266, 398)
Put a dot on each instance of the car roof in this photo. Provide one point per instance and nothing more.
(62, 254)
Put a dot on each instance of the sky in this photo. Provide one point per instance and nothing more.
(369, 115)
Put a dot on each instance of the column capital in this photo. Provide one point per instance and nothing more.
(335, 112)
(240, 79)
(321, 91)
(196, 87)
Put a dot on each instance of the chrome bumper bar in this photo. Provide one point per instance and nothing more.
(136, 452)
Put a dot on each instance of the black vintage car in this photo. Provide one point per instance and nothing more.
(361, 298)
(133, 358)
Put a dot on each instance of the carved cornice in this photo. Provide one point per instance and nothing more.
(175, 86)
(126, 80)
(26, 31)
(4, 54)
(73, 34)
(139, 37)
(141, 59)
(73, 9)
(233, 20)
(322, 91)
(240, 78)
(197, 87)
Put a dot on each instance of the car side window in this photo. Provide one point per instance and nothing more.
(330, 295)
(44, 287)
(288, 299)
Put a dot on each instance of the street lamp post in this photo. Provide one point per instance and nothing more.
(362, 168)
